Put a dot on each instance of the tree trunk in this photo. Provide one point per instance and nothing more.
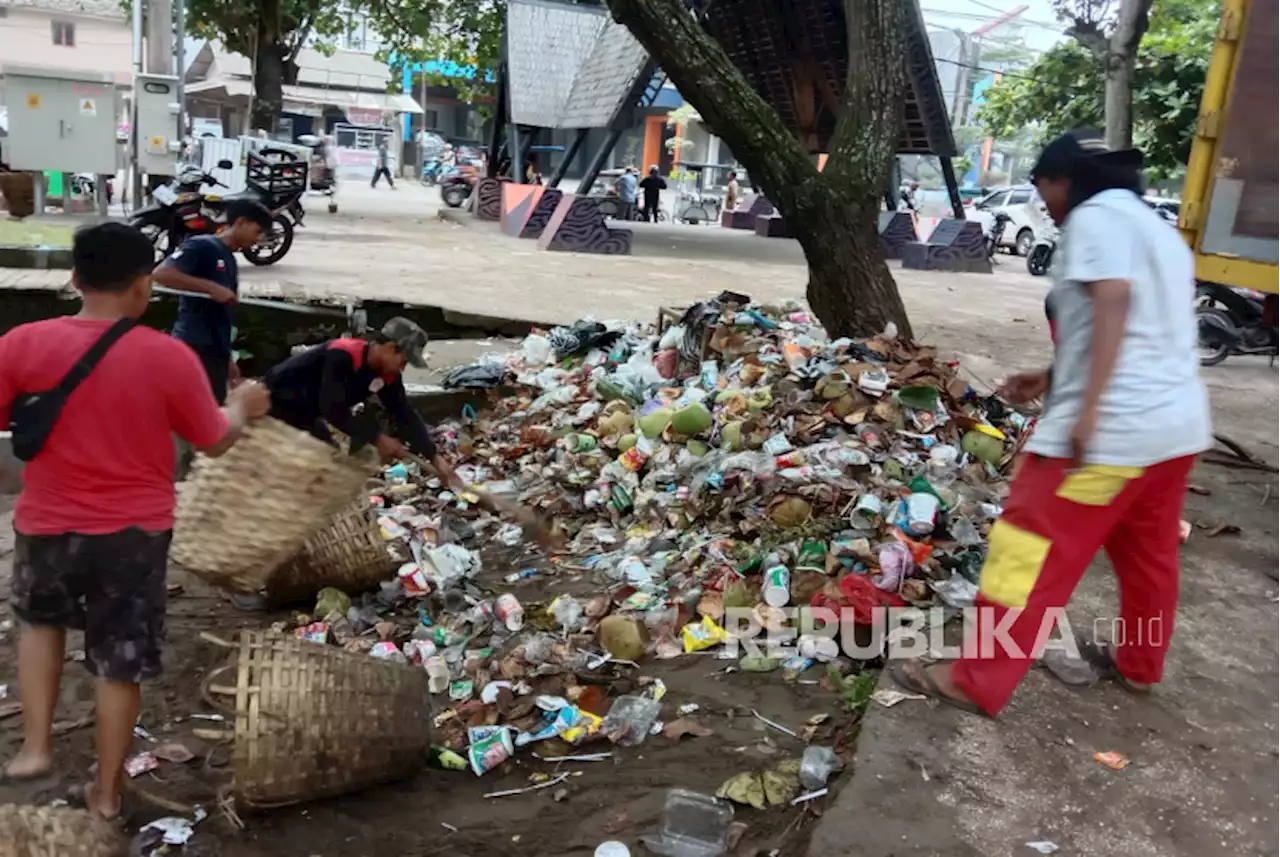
(853, 288)
(268, 73)
(833, 213)
(1122, 52)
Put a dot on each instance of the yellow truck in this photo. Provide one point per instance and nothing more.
(1229, 210)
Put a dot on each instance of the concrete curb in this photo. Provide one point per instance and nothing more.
(40, 258)
(459, 216)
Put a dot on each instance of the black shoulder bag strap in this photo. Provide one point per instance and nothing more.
(90, 358)
(33, 415)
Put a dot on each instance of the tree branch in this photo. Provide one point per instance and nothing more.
(704, 74)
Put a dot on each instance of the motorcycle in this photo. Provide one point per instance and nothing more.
(1233, 321)
(84, 184)
(323, 176)
(456, 187)
(182, 208)
(996, 234)
(432, 171)
(1041, 255)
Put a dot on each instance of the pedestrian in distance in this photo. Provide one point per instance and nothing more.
(384, 166)
(653, 185)
(205, 265)
(731, 192)
(1107, 464)
(628, 185)
(94, 400)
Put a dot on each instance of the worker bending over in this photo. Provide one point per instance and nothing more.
(321, 386)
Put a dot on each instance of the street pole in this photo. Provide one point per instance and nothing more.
(180, 63)
(135, 177)
(159, 37)
(422, 139)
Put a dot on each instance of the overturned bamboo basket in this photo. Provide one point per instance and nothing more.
(44, 831)
(312, 721)
(241, 515)
(348, 553)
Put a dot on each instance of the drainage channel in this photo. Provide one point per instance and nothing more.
(268, 334)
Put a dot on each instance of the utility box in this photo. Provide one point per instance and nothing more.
(61, 120)
(158, 143)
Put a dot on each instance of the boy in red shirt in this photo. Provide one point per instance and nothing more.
(95, 516)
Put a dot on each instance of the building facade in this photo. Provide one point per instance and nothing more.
(77, 35)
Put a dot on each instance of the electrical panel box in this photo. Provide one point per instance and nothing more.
(158, 141)
(61, 120)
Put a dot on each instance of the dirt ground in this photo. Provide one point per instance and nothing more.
(619, 799)
(993, 324)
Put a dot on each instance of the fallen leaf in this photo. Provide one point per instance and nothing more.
(1199, 489)
(174, 752)
(1113, 760)
(818, 719)
(618, 823)
(677, 729)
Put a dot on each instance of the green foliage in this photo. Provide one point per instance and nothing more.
(466, 32)
(238, 24)
(1065, 88)
(855, 690)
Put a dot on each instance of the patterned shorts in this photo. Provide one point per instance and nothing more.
(112, 587)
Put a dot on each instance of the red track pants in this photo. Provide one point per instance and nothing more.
(1053, 524)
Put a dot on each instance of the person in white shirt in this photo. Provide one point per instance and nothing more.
(1107, 464)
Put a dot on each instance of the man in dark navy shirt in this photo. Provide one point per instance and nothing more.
(319, 387)
(206, 266)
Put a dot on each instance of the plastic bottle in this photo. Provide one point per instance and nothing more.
(817, 765)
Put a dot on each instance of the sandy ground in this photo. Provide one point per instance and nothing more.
(1203, 781)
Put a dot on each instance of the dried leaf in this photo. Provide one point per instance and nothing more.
(173, 752)
(677, 729)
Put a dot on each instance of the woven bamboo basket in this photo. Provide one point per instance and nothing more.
(313, 721)
(43, 831)
(348, 553)
(19, 191)
(241, 515)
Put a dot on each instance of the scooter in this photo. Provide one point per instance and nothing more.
(1235, 321)
(1041, 255)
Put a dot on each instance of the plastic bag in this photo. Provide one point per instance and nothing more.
(535, 350)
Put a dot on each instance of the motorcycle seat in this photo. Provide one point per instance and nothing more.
(242, 194)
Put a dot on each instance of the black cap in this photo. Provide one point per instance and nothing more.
(1059, 158)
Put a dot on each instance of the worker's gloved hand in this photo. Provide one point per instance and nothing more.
(389, 447)
(253, 398)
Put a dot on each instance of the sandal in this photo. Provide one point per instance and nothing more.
(928, 687)
(1102, 657)
(77, 796)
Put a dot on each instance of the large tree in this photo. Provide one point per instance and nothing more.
(1065, 88)
(270, 33)
(832, 213)
(1111, 30)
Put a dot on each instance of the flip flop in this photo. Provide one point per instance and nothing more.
(930, 688)
(77, 797)
(1102, 657)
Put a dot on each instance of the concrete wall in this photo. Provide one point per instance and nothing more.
(101, 43)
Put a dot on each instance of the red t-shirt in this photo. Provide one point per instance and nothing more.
(108, 463)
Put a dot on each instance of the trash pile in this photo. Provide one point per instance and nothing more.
(733, 459)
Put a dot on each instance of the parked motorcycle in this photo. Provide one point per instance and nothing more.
(182, 208)
(1041, 255)
(996, 234)
(84, 184)
(1234, 321)
(456, 187)
(431, 172)
(323, 175)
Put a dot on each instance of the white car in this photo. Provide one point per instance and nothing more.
(1026, 212)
